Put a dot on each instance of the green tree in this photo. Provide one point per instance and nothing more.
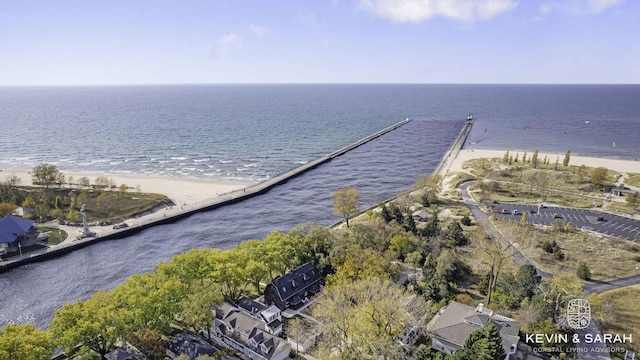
(25, 342)
(428, 186)
(197, 304)
(73, 216)
(583, 271)
(505, 157)
(432, 226)
(97, 324)
(46, 175)
(581, 172)
(567, 156)
(345, 202)
(455, 235)
(599, 175)
(152, 299)
(534, 159)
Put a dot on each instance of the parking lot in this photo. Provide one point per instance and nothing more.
(587, 220)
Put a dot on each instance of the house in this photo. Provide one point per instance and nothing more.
(190, 345)
(453, 324)
(420, 215)
(127, 353)
(292, 289)
(621, 190)
(269, 314)
(16, 232)
(247, 334)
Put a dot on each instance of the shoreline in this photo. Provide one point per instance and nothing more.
(185, 191)
(619, 165)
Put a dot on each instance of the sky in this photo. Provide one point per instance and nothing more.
(100, 42)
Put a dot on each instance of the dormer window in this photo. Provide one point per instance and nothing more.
(293, 284)
(284, 289)
(305, 277)
(265, 348)
(254, 343)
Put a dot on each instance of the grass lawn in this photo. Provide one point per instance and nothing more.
(622, 314)
(56, 236)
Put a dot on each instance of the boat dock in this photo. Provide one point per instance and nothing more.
(226, 199)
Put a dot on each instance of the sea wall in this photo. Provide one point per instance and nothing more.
(230, 198)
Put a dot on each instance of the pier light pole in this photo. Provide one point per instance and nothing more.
(20, 248)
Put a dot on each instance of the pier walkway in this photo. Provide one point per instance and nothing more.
(173, 216)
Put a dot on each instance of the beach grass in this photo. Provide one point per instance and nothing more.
(622, 316)
(607, 257)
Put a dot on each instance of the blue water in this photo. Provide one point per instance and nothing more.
(249, 132)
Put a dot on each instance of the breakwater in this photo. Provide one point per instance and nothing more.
(226, 199)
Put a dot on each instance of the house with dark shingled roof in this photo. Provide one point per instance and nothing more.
(292, 289)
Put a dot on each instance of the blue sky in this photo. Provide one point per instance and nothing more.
(85, 42)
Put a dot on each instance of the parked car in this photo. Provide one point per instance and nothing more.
(516, 212)
(505, 211)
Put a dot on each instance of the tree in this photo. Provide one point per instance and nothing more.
(13, 181)
(46, 175)
(365, 318)
(534, 159)
(455, 235)
(505, 157)
(523, 219)
(6, 209)
(583, 271)
(296, 329)
(633, 200)
(25, 342)
(428, 186)
(598, 175)
(197, 304)
(345, 202)
(567, 156)
(102, 182)
(84, 182)
(150, 343)
(97, 324)
(152, 300)
(581, 172)
(360, 264)
(493, 253)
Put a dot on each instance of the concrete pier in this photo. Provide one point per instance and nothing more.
(220, 201)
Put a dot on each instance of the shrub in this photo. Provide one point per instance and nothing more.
(583, 271)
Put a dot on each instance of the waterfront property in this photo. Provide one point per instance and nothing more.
(248, 334)
(294, 288)
(452, 325)
(269, 314)
(190, 345)
(16, 232)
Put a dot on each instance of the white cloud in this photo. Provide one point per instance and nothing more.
(577, 7)
(422, 10)
(259, 31)
(227, 43)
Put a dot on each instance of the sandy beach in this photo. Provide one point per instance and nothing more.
(628, 166)
(186, 191)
